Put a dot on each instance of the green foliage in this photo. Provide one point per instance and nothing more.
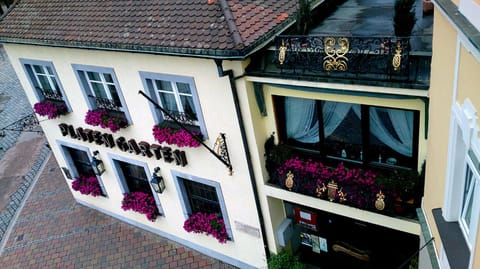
(404, 18)
(303, 17)
(284, 260)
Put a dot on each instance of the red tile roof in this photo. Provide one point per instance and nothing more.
(226, 28)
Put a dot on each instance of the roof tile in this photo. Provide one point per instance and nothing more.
(183, 24)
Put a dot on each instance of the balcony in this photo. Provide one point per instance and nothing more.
(390, 192)
(387, 61)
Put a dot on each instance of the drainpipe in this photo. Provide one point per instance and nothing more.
(233, 87)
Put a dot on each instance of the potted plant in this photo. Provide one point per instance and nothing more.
(105, 120)
(284, 260)
(164, 133)
(50, 109)
(87, 185)
(404, 18)
(141, 202)
(207, 223)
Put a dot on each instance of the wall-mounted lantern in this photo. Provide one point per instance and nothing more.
(97, 164)
(157, 181)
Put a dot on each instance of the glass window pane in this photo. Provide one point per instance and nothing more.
(98, 90)
(391, 136)
(183, 88)
(301, 120)
(168, 101)
(93, 76)
(113, 93)
(163, 85)
(49, 70)
(38, 69)
(108, 78)
(343, 130)
(188, 107)
(45, 84)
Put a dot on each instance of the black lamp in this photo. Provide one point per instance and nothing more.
(157, 181)
(97, 164)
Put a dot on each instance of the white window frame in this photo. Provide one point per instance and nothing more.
(32, 75)
(87, 90)
(62, 145)
(464, 140)
(114, 161)
(179, 177)
(148, 80)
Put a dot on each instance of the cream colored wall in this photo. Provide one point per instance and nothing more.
(441, 83)
(469, 87)
(219, 116)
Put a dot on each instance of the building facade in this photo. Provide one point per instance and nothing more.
(325, 130)
(139, 106)
(450, 205)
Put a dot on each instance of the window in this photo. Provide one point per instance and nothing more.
(79, 162)
(134, 176)
(177, 95)
(201, 195)
(462, 188)
(349, 132)
(101, 89)
(44, 80)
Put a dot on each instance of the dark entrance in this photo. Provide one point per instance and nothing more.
(327, 240)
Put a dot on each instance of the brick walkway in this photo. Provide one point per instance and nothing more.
(53, 231)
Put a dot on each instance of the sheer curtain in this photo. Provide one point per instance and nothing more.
(334, 113)
(402, 122)
(301, 120)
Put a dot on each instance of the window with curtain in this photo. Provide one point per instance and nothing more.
(178, 97)
(44, 80)
(350, 132)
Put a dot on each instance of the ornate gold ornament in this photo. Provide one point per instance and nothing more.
(320, 190)
(342, 196)
(289, 180)
(282, 52)
(336, 59)
(397, 58)
(380, 203)
(332, 190)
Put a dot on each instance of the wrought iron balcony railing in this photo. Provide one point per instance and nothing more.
(107, 104)
(50, 95)
(384, 59)
(185, 118)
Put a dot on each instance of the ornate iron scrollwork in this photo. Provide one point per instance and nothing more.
(397, 58)
(107, 104)
(220, 148)
(182, 117)
(335, 59)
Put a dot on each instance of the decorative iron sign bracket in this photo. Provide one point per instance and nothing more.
(220, 146)
(26, 124)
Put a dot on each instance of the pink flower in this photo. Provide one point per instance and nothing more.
(142, 203)
(208, 223)
(177, 137)
(87, 185)
(50, 109)
(103, 119)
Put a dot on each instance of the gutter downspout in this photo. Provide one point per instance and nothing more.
(233, 87)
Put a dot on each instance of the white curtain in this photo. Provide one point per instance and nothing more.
(334, 113)
(402, 122)
(301, 120)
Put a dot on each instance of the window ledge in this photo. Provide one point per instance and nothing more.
(454, 243)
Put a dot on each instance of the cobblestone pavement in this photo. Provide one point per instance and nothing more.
(53, 231)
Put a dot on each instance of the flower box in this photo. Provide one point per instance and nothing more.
(105, 120)
(172, 136)
(207, 223)
(50, 109)
(141, 202)
(87, 185)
